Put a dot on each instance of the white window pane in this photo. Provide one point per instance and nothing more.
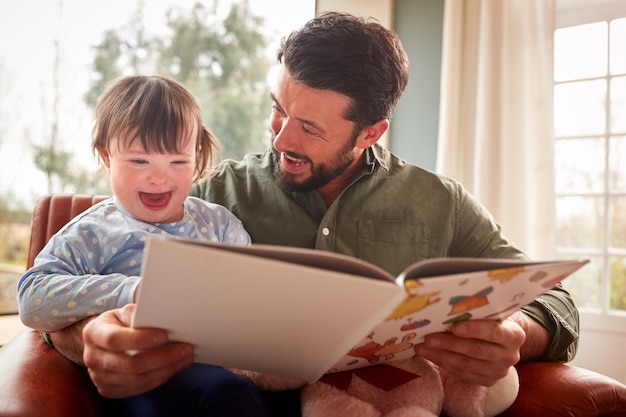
(618, 283)
(579, 108)
(618, 104)
(590, 159)
(617, 165)
(580, 51)
(584, 284)
(579, 165)
(579, 222)
(618, 46)
(617, 222)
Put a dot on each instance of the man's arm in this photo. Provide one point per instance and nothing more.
(122, 361)
(536, 340)
(69, 341)
(557, 314)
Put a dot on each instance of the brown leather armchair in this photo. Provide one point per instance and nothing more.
(36, 380)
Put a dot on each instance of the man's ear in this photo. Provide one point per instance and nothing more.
(371, 134)
(104, 157)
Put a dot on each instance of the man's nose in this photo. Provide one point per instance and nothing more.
(286, 138)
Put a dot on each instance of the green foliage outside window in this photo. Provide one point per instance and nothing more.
(618, 284)
(223, 62)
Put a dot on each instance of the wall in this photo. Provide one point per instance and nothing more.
(415, 127)
(601, 345)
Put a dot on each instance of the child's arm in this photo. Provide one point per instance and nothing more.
(66, 285)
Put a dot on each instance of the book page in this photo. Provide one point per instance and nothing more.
(259, 314)
(435, 303)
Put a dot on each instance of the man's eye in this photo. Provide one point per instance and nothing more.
(310, 130)
(277, 109)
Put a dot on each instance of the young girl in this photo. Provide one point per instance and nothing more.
(149, 134)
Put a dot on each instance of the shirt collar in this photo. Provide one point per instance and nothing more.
(376, 154)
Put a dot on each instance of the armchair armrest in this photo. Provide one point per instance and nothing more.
(36, 380)
(553, 389)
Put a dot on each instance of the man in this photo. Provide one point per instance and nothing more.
(326, 184)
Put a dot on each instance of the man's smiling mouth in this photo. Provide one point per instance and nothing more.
(291, 162)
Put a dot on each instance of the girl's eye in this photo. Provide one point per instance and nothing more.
(139, 161)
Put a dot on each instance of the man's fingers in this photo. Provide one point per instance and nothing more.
(112, 332)
(479, 352)
(123, 361)
(122, 375)
(506, 333)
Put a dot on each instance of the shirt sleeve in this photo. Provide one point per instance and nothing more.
(234, 232)
(555, 311)
(62, 289)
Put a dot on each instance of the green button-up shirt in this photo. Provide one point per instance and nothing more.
(392, 214)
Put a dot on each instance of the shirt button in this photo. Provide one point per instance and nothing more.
(325, 231)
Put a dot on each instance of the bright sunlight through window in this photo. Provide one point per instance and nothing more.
(590, 152)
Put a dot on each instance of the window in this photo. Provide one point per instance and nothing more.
(590, 157)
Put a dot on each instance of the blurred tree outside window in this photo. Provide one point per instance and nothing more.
(58, 56)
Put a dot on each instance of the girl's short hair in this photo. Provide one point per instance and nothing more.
(158, 111)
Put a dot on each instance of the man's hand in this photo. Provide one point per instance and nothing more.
(476, 351)
(123, 361)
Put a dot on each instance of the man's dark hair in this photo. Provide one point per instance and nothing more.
(356, 57)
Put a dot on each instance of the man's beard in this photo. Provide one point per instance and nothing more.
(321, 173)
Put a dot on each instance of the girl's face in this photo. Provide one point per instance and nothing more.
(151, 186)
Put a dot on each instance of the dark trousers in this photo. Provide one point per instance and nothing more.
(197, 391)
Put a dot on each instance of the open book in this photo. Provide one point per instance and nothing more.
(303, 312)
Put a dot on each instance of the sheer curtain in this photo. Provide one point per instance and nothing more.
(496, 113)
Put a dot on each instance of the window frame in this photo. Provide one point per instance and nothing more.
(573, 13)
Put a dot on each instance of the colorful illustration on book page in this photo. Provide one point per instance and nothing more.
(433, 305)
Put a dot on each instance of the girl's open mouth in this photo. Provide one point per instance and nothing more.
(155, 201)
